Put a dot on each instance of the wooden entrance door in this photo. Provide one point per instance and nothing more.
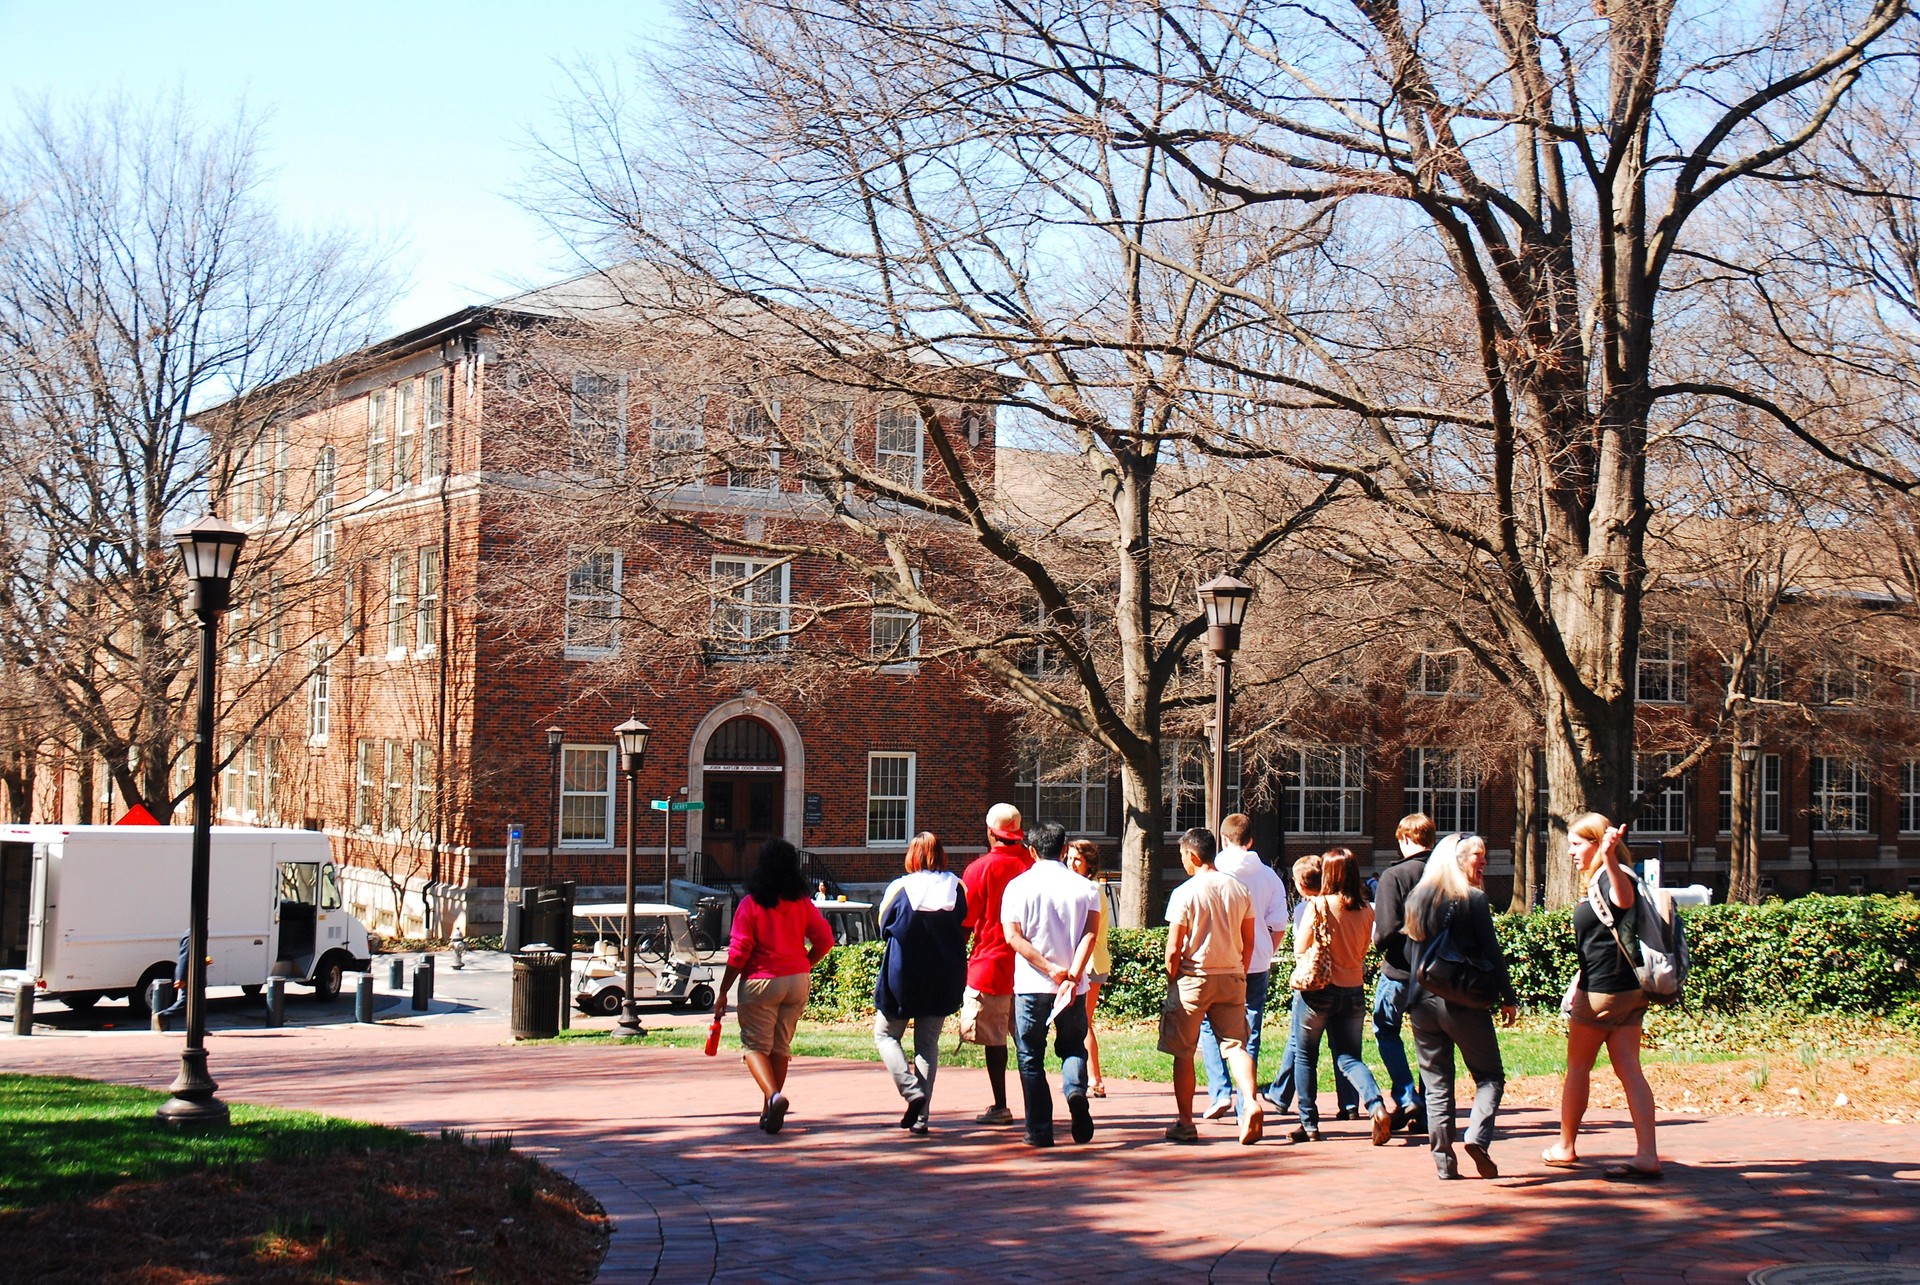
(743, 811)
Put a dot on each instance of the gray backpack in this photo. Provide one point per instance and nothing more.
(1661, 967)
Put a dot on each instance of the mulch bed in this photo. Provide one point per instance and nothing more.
(443, 1211)
(1865, 1087)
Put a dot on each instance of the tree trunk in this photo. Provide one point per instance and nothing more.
(1142, 824)
(1589, 769)
(1743, 882)
(1526, 826)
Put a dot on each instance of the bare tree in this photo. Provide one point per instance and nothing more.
(148, 296)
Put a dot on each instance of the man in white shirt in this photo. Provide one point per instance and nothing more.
(1049, 915)
(1271, 922)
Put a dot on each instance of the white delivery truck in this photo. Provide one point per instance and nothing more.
(97, 912)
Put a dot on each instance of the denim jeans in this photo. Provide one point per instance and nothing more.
(1219, 1084)
(1438, 1029)
(1281, 1091)
(1341, 1012)
(914, 1079)
(1030, 1049)
(1390, 997)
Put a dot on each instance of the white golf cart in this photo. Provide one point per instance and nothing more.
(666, 967)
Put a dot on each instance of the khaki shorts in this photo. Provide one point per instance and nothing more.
(1191, 1000)
(986, 1019)
(1608, 1012)
(769, 1012)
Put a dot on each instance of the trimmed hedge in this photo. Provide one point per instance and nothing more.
(1816, 954)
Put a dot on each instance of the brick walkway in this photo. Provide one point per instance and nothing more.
(665, 1140)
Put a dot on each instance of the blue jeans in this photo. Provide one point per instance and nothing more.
(1281, 1091)
(1341, 1012)
(1389, 1012)
(1030, 1050)
(1219, 1085)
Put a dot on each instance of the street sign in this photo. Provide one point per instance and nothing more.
(661, 805)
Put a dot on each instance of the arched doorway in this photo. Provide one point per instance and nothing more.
(743, 783)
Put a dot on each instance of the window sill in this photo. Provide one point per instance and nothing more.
(317, 742)
(907, 667)
(588, 653)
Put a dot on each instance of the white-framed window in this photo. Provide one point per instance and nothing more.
(1843, 682)
(404, 433)
(319, 693)
(229, 762)
(1910, 797)
(829, 434)
(889, 799)
(423, 774)
(399, 599)
(894, 635)
(394, 786)
(679, 437)
(1768, 783)
(426, 609)
(593, 602)
(1667, 812)
(750, 606)
(325, 478)
(753, 462)
(1327, 790)
(1841, 796)
(259, 772)
(1663, 663)
(1434, 673)
(598, 421)
(1443, 784)
(1069, 789)
(366, 785)
(899, 445)
(586, 796)
(379, 460)
(433, 438)
(275, 626)
(1183, 783)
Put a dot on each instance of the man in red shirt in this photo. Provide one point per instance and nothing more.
(986, 1014)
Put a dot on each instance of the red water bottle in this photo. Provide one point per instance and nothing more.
(713, 1038)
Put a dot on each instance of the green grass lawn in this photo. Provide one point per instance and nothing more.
(65, 1139)
(1537, 1045)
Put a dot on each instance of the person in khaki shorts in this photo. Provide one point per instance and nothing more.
(1209, 945)
(986, 1009)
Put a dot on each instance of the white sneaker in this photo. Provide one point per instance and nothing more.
(1219, 1110)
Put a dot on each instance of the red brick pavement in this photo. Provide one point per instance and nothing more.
(665, 1139)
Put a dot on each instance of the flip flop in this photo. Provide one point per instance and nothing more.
(1632, 1173)
(1552, 1161)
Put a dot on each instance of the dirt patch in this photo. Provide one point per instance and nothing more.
(1884, 1087)
(444, 1211)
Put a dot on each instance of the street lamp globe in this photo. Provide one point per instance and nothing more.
(1225, 598)
(632, 735)
(555, 736)
(208, 550)
(1749, 752)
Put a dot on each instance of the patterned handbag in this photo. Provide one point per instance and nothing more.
(1314, 969)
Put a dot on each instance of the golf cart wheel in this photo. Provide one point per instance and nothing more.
(606, 1003)
(701, 996)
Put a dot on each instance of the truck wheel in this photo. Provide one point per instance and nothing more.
(137, 999)
(253, 991)
(328, 977)
(80, 1001)
(701, 996)
(607, 1002)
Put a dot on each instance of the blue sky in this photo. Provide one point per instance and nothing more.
(404, 119)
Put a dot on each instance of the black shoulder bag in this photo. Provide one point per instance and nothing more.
(1454, 975)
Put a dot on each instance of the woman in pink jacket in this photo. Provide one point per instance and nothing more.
(778, 936)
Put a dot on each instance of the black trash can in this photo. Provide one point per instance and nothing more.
(706, 922)
(538, 977)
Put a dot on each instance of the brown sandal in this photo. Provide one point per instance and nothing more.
(1552, 1161)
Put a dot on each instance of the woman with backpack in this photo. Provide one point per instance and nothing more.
(922, 974)
(1605, 1005)
(1330, 946)
(1459, 972)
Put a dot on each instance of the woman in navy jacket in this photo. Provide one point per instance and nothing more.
(923, 971)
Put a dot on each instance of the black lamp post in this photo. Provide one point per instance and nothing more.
(1224, 599)
(556, 737)
(633, 753)
(1745, 883)
(208, 550)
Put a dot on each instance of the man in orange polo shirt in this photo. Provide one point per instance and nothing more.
(986, 1013)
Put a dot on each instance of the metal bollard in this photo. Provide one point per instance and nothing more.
(159, 996)
(23, 1009)
(459, 951)
(396, 972)
(276, 1001)
(363, 997)
(422, 985)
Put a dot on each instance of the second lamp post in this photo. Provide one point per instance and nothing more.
(633, 754)
(1224, 599)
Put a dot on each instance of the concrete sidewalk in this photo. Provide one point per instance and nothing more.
(666, 1140)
